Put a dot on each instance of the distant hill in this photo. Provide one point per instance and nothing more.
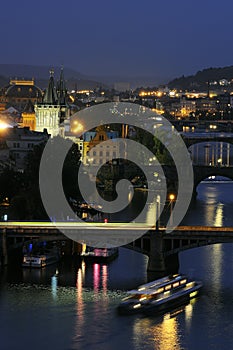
(201, 78)
(41, 76)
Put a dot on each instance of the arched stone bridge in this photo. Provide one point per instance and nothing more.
(202, 172)
(161, 247)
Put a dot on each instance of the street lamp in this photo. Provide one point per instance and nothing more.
(171, 198)
(157, 212)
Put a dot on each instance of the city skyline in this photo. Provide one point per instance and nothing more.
(149, 39)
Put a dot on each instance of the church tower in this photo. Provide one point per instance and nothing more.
(48, 112)
(62, 97)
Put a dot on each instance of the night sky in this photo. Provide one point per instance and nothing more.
(124, 37)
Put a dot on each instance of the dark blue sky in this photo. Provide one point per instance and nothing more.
(124, 37)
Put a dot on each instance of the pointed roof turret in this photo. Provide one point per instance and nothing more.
(61, 89)
(29, 107)
(50, 96)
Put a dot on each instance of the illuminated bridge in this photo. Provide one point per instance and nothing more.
(160, 246)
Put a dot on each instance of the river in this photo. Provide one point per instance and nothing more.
(76, 308)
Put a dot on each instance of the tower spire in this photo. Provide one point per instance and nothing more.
(61, 89)
(50, 96)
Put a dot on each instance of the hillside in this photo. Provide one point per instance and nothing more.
(41, 76)
(201, 78)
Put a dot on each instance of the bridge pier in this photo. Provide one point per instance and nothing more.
(158, 263)
(4, 254)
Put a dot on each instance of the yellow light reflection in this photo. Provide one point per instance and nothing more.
(216, 257)
(79, 286)
(189, 313)
(80, 315)
(214, 210)
(164, 335)
(219, 215)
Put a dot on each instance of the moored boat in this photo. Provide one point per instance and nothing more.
(100, 255)
(41, 257)
(160, 295)
(39, 260)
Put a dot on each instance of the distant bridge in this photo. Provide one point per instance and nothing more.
(191, 138)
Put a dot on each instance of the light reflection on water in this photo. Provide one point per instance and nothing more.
(164, 335)
(76, 308)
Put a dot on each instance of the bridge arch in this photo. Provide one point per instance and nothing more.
(202, 173)
(215, 153)
(190, 140)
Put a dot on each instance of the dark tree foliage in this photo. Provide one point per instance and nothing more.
(23, 188)
(11, 182)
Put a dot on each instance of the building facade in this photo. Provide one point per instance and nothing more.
(104, 152)
(21, 141)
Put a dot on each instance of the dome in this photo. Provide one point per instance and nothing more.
(23, 89)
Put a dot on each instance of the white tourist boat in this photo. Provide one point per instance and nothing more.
(160, 295)
(41, 259)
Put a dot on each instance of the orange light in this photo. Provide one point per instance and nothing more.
(172, 197)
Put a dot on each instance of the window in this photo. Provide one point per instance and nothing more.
(175, 284)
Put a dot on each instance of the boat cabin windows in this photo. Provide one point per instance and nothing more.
(168, 287)
(176, 284)
(172, 285)
(160, 290)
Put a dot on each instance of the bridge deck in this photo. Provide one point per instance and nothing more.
(47, 227)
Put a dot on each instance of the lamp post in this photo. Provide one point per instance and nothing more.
(172, 198)
(157, 212)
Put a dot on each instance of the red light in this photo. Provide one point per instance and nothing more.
(105, 221)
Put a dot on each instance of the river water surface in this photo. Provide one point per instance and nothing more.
(76, 309)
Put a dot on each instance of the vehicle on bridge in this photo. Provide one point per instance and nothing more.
(160, 295)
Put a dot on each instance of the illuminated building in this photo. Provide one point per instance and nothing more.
(104, 152)
(19, 92)
(53, 109)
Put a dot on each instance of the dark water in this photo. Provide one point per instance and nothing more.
(76, 308)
